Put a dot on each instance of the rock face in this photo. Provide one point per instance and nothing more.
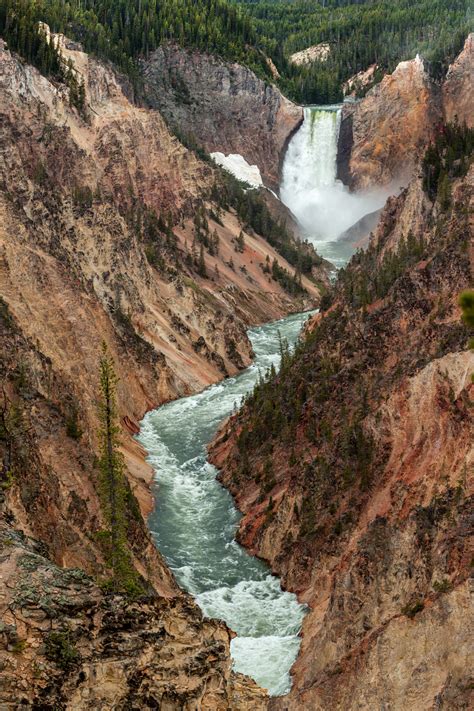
(383, 135)
(359, 81)
(98, 242)
(358, 235)
(225, 107)
(66, 645)
(357, 485)
(458, 88)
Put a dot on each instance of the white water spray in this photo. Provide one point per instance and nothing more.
(323, 206)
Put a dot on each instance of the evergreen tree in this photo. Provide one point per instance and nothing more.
(202, 264)
(444, 192)
(466, 302)
(113, 485)
(240, 242)
(359, 33)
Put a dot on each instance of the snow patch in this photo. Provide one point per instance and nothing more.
(240, 169)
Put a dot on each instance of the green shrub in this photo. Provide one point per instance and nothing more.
(73, 429)
(442, 586)
(61, 650)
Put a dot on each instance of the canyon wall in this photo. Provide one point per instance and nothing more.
(353, 470)
(64, 644)
(223, 106)
(383, 135)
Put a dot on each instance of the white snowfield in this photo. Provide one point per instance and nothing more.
(240, 169)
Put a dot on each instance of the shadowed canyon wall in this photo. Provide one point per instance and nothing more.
(225, 107)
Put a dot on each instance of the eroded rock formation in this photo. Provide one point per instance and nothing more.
(66, 645)
(317, 53)
(458, 88)
(384, 135)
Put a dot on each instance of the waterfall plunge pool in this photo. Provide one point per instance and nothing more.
(194, 521)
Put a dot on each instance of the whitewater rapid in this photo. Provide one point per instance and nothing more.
(195, 521)
(323, 206)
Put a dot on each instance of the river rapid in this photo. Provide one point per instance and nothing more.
(194, 521)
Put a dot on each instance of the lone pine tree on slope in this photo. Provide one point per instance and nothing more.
(113, 485)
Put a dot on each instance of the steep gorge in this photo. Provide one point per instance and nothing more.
(344, 499)
(99, 241)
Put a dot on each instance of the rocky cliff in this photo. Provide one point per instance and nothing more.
(353, 469)
(100, 240)
(383, 136)
(458, 90)
(223, 106)
(64, 644)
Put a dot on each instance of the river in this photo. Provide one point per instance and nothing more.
(195, 520)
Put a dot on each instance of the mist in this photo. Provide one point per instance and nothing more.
(326, 212)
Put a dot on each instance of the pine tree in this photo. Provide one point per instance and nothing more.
(444, 192)
(111, 461)
(240, 242)
(466, 302)
(113, 485)
(202, 264)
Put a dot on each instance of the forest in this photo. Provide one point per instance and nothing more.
(125, 30)
(359, 33)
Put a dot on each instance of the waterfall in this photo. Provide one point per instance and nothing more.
(323, 206)
(310, 162)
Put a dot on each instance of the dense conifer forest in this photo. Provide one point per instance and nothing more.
(123, 30)
(360, 33)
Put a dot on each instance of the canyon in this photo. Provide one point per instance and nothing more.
(353, 465)
(374, 533)
(98, 243)
(358, 493)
